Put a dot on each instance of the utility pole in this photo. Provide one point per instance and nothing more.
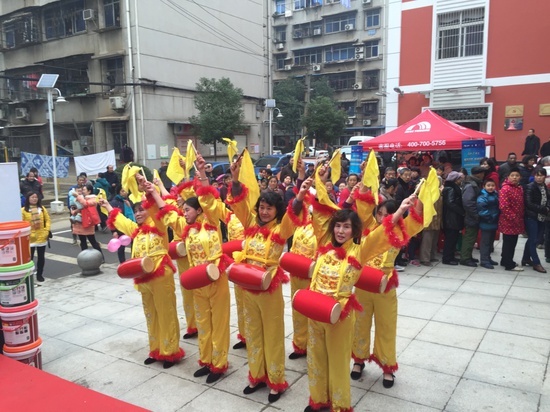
(307, 97)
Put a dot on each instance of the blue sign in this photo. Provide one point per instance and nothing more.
(472, 152)
(356, 159)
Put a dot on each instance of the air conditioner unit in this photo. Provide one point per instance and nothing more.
(367, 122)
(3, 114)
(316, 67)
(288, 13)
(367, 1)
(116, 102)
(359, 56)
(359, 49)
(348, 27)
(349, 122)
(316, 32)
(357, 86)
(21, 113)
(88, 14)
(280, 46)
(288, 67)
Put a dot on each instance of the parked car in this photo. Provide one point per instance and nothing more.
(277, 162)
(313, 152)
(220, 168)
(353, 140)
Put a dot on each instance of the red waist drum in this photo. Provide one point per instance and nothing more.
(233, 246)
(372, 280)
(250, 277)
(177, 250)
(316, 306)
(135, 268)
(297, 265)
(199, 276)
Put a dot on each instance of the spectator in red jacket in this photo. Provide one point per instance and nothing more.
(511, 219)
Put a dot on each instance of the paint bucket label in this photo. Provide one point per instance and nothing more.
(16, 285)
(30, 354)
(15, 243)
(8, 254)
(20, 327)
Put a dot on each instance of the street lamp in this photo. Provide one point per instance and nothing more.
(47, 81)
(279, 116)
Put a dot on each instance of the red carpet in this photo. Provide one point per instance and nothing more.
(24, 388)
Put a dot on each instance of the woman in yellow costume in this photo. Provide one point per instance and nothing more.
(199, 229)
(341, 249)
(157, 289)
(267, 228)
(383, 306)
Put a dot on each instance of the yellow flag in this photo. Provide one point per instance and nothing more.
(335, 166)
(322, 193)
(174, 171)
(102, 195)
(297, 154)
(371, 175)
(248, 178)
(129, 182)
(428, 195)
(232, 149)
(190, 157)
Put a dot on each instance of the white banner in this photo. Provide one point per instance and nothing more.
(96, 163)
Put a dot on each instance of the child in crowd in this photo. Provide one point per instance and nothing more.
(487, 207)
(76, 207)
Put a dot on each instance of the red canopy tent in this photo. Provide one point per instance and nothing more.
(426, 132)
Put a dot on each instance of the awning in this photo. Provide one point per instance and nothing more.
(115, 53)
(113, 118)
(14, 126)
(178, 122)
(347, 101)
(366, 128)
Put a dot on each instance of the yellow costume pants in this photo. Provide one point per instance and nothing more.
(187, 295)
(159, 305)
(240, 311)
(328, 350)
(265, 337)
(212, 313)
(383, 306)
(299, 321)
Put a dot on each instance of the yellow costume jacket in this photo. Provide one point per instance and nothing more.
(40, 229)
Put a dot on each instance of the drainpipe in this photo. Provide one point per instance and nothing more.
(131, 67)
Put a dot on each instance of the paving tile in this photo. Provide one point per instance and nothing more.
(52, 326)
(525, 308)
(436, 282)
(521, 325)
(515, 346)
(406, 279)
(409, 327)
(78, 364)
(121, 344)
(512, 373)
(468, 300)
(493, 277)
(474, 396)
(451, 335)
(464, 316)
(102, 309)
(416, 309)
(533, 282)
(53, 349)
(129, 317)
(71, 304)
(529, 294)
(426, 294)
(447, 272)
(483, 288)
(436, 357)
(378, 402)
(212, 399)
(92, 332)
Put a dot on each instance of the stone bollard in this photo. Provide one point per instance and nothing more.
(89, 260)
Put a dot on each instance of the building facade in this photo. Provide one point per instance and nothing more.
(480, 63)
(128, 69)
(344, 45)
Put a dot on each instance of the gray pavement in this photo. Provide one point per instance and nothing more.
(469, 339)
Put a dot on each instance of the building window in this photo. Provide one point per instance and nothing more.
(119, 131)
(371, 80)
(348, 107)
(21, 90)
(308, 56)
(370, 109)
(280, 7)
(460, 34)
(314, 28)
(64, 19)
(339, 23)
(281, 62)
(20, 31)
(114, 74)
(339, 53)
(280, 34)
(372, 18)
(302, 4)
(111, 9)
(342, 81)
(371, 48)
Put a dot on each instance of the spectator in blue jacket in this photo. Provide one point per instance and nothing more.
(487, 207)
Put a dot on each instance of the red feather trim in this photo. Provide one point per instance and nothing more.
(207, 190)
(112, 217)
(339, 251)
(241, 337)
(255, 381)
(353, 304)
(324, 209)
(416, 216)
(146, 229)
(354, 262)
(232, 200)
(165, 210)
(278, 239)
(366, 232)
(170, 358)
(225, 262)
(166, 261)
(392, 236)
(298, 350)
(317, 406)
(181, 187)
(279, 387)
(192, 330)
(278, 278)
(357, 358)
(149, 202)
(295, 219)
(171, 196)
(364, 197)
(393, 282)
(385, 368)
(208, 226)
(253, 230)
(187, 228)
(223, 369)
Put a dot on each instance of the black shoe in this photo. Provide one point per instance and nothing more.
(168, 364)
(388, 383)
(40, 278)
(296, 355)
(487, 266)
(469, 263)
(248, 390)
(213, 377)
(527, 262)
(273, 397)
(493, 262)
(149, 361)
(239, 345)
(451, 262)
(190, 335)
(202, 372)
(474, 260)
(309, 408)
(547, 260)
(357, 375)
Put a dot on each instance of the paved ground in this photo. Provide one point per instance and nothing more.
(468, 340)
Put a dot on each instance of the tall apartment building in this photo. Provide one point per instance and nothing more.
(345, 46)
(480, 63)
(128, 69)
